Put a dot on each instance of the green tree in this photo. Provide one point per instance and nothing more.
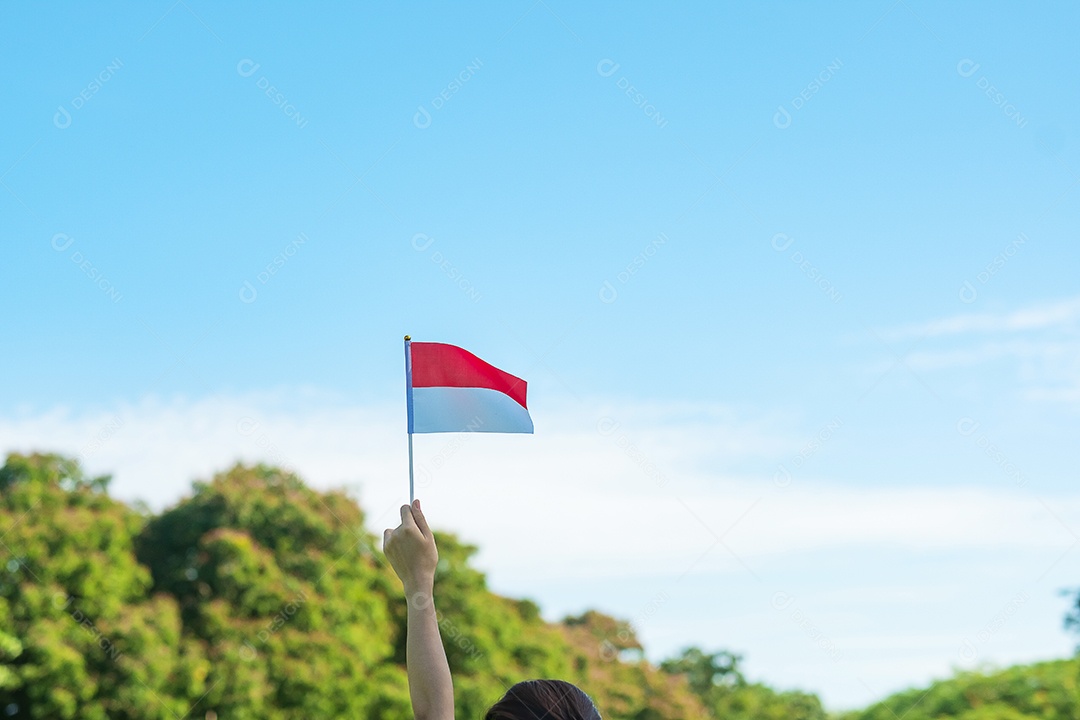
(79, 636)
(258, 597)
(609, 664)
(1047, 691)
(717, 679)
(280, 584)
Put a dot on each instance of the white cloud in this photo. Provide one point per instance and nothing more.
(660, 470)
(1060, 314)
(631, 496)
(1046, 352)
(1039, 344)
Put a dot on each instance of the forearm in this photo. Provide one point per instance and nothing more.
(430, 685)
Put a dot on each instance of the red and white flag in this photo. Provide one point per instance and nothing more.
(449, 389)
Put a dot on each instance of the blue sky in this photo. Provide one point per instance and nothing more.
(830, 244)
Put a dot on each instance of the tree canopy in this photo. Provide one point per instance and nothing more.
(1044, 691)
(258, 597)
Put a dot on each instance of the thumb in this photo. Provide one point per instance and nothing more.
(421, 521)
(386, 538)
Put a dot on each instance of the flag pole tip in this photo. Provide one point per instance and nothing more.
(408, 338)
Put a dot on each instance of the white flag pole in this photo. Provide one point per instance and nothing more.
(409, 409)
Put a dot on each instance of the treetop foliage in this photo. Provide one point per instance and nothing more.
(258, 597)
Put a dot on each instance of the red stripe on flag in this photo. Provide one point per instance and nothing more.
(442, 365)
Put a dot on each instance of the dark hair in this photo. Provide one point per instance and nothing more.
(544, 700)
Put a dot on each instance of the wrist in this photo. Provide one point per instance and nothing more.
(419, 586)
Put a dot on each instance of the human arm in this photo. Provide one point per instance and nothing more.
(410, 547)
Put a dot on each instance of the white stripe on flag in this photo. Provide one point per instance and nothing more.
(455, 409)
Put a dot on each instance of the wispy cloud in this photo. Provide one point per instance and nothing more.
(1039, 343)
(661, 470)
(1062, 314)
(1048, 351)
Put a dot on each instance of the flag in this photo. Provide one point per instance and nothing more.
(449, 389)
